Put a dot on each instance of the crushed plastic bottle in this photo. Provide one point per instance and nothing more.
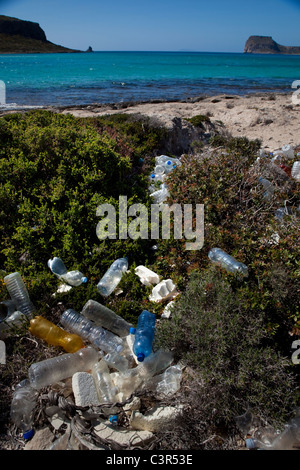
(167, 383)
(106, 391)
(112, 277)
(160, 195)
(144, 335)
(268, 187)
(52, 334)
(219, 257)
(19, 293)
(116, 361)
(23, 402)
(99, 337)
(288, 439)
(103, 316)
(50, 371)
(295, 171)
(288, 151)
(131, 380)
(73, 278)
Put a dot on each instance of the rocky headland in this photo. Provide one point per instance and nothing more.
(267, 45)
(20, 37)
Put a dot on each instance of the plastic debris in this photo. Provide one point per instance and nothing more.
(103, 316)
(112, 277)
(73, 278)
(219, 257)
(166, 289)
(19, 294)
(144, 335)
(147, 277)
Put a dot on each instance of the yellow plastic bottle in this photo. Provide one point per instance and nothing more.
(52, 334)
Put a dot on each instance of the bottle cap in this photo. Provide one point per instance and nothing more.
(132, 331)
(140, 357)
(28, 434)
(84, 279)
(113, 419)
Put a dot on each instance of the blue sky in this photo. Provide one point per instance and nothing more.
(160, 25)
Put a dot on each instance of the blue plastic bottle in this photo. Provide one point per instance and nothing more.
(144, 335)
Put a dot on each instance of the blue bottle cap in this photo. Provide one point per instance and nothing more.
(28, 434)
(113, 419)
(84, 279)
(132, 331)
(140, 357)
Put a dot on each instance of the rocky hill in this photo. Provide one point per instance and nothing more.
(19, 37)
(267, 45)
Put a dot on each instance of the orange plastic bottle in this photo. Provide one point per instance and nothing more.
(52, 334)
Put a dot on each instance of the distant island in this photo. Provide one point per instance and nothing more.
(20, 37)
(267, 45)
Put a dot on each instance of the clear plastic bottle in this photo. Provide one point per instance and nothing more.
(144, 335)
(218, 256)
(168, 383)
(134, 378)
(103, 316)
(115, 361)
(19, 293)
(295, 172)
(73, 278)
(50, 371)
(7, 307)
(15, 319)
(160, 195)
(288, 439)
(52, 334)
(112, 277)
(106, 390)
(288, 151)
(23, 402)
(99, 337)
(268, 187)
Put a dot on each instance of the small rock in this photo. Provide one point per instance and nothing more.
(155, 419)
(84, 389)
(122, 436)
(41, 440)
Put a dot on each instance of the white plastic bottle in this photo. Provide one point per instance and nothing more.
(19, 294)
(23, 402)
(112, 277)
(218, 256)
(99, 337)
(296, 171)
(73, 278)
(103, 316)
(50, 371)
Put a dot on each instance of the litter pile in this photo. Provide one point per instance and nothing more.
(107, 361)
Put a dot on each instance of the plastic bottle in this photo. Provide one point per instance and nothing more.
(295, 172)
(218, 256)
(73, 278)
(144, 335)
(288, 151)
(115, 361)
(15, 319)
(103, 316)
(168, 383)
(19, 294)
(112, 277)
(99, 337)
(23, 402)
(52, 334)
(160, 195)
(7, 307)
(50, 371)
(134, 378)
(268, 187)
(105, 389)
(288, 439)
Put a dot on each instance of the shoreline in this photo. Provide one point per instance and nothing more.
(269, 116)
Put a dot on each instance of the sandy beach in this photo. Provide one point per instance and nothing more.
(272, 118)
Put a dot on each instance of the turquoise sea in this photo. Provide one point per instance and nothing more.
(110, 77)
